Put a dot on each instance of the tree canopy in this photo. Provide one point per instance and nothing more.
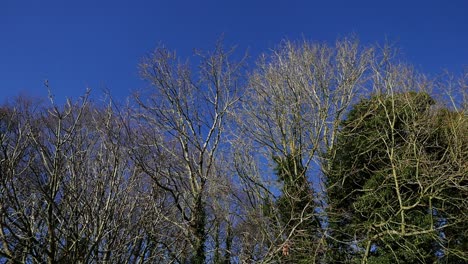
(317, 154)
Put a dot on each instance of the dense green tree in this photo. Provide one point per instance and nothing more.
(390, 172)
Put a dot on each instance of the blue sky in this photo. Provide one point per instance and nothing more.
(98, 44)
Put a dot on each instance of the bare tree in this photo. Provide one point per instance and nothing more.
(69, 190)
(182, 120)
(18, 204)
(295, 101)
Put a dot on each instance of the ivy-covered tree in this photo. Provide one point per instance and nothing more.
(295, 99)
(296, 207)
(388, 182)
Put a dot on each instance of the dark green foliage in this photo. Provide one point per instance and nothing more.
(199, 232)
(297, 210)
(387, 148)
(450, 147)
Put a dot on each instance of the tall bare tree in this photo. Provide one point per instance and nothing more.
(296, 98)
(182, 118)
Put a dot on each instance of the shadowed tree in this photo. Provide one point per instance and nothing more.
(68, 191)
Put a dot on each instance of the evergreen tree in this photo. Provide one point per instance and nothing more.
(385, 182)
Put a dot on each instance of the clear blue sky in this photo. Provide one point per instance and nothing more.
(98, 44)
